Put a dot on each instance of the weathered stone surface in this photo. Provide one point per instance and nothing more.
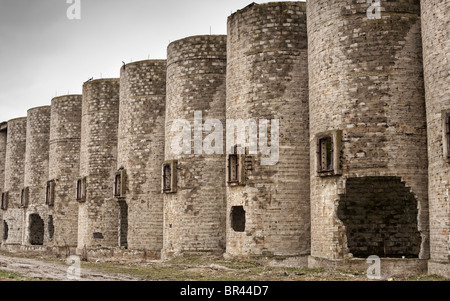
(36, 176)
(436, 49)
(141, 151)
(98, 216)
(64, 158)
(14, 179)
(267, 78)
(194, 216)
(366, 79)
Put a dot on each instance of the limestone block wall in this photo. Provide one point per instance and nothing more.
(436, 50)
(194, 215)
(267, 79)
(141, 152)
(366, 83)
(13, 217)
(98, 215)
(64, 158)
(36, 173)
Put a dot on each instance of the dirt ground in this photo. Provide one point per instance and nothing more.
(26, 267)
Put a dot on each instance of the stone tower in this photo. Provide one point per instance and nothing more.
(34, 197)
(436, 50)
(64, 158)
(194, 174)
(98, 209)
(13, 215)
(368, 130)
(3, 138)
(141, 155)
(267, 81)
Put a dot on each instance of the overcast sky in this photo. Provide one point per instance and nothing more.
(43, 54)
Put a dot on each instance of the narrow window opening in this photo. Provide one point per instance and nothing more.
(123, 224)
(325, 154)
(51, 227)
(238, 219)
(233, 169)
(50, 193)
(24, 197)
(81, 190)
(167, 178)
(5, 230)
(447, 125)
(119, 184)
(4, 204)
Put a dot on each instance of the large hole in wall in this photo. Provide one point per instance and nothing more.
(380, 216)
(36, 230)
(238, 219)
(123, 224)
(5, 231)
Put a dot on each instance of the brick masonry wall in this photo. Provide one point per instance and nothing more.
(141, 150)
(36, 168)
(194, 216)
(267, 78)
(64, 158)
(14, 178)
(98, 216)
(436, 47)
(366, 79)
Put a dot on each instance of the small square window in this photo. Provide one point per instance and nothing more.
(24, 197)
(4, 205)
(119, 184)
(50, 193)
(81, 190)
(169, 177)
(328, 153)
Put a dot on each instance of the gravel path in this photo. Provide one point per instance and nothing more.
(55, 271)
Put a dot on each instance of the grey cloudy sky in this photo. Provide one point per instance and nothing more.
(43, 54)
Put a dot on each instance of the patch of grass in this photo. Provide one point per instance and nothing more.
(427, 278)
(8, 276)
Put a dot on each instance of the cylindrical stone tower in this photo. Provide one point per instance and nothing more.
(3, 139)
(3, 136)
(267, 82)
(368, 130)
(194, 171)
(98, 210)
(436, 50)
(64, 158)
(13, 215)
(141, 154)
(33, 195)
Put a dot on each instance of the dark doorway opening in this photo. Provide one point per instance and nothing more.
(238, 219)
(380, 216)
(36, 230)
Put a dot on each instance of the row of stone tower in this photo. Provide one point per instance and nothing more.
(363, 161)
